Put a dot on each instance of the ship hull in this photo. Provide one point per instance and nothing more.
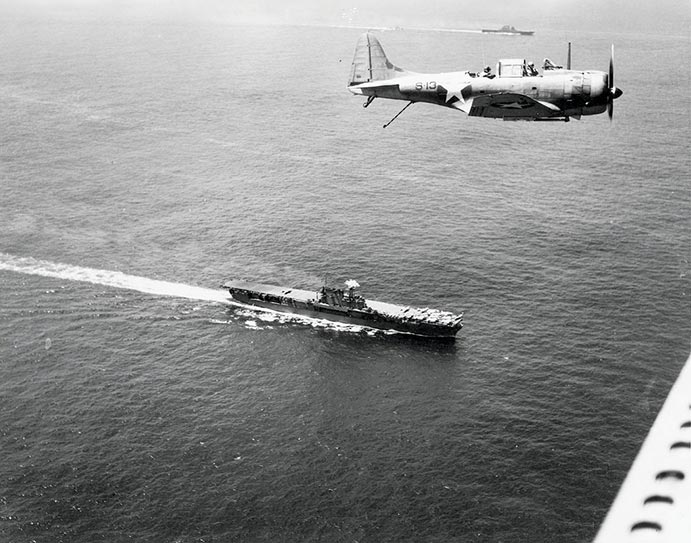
(348, 316)
(509, 32)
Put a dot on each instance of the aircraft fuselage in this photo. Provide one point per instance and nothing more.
(564, 93)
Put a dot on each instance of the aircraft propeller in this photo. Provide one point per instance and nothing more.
(612, 92)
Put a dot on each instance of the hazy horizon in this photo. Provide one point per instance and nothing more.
(667, 16)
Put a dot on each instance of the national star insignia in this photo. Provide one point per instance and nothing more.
(450, 93)
(513, 105)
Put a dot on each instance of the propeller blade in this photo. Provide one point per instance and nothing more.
(611, 69)
(613, 92)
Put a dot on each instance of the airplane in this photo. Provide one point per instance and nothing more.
(517, 91)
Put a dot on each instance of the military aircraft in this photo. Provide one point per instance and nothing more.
(517, 91)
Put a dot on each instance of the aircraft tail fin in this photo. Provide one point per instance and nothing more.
(370, 62)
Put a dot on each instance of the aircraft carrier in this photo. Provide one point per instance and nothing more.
(509, 30)
(344, 305)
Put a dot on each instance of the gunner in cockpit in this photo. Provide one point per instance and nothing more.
(549, 65)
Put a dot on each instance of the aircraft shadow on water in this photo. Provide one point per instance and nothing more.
(517, 91)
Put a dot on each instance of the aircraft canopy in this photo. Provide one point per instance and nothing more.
(511, 67)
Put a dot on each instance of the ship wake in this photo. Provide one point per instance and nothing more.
(262, 319)
(115, 279)
(250, 316)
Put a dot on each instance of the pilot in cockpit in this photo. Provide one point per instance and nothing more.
(532, 71)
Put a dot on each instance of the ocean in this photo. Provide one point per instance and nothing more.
(143, 163)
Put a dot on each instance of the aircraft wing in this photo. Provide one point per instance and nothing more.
(654, 501)
(508, 106)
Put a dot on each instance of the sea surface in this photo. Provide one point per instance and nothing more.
(143, 163)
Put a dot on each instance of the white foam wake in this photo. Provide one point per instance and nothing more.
(109, 278)
(45, 268)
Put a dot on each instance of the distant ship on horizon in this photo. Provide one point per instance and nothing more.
(509, 30)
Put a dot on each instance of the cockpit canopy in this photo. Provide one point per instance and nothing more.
(512, 67)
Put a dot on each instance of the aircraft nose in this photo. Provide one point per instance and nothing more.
(598, 86)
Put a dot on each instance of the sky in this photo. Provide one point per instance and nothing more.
(597, 15)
